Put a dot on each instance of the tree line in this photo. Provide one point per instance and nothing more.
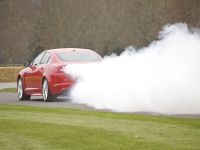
(28, 27)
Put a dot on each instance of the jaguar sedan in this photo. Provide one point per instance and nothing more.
(45, 75)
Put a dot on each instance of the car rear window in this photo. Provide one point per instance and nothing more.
(77, 56)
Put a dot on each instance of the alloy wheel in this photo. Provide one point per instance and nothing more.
(20, 89)
(45, 90)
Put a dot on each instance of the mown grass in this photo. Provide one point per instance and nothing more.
(9, 90)
(47, 128)
(9, 74)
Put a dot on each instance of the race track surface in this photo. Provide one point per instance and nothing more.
(8, 85)
(62, 102)
(11, 98)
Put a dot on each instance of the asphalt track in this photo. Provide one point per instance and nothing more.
(62, 102)
(11, 98)
(8, 85)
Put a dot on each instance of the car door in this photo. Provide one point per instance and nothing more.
(33, 78)
(45, 64)
(45, 61)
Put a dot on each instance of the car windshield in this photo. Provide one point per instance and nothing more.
(77, 56)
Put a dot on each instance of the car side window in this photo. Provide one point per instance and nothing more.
(45, 59)
(49, 60)
(38, 59)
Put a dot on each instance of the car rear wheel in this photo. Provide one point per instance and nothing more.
(46, 93)
(20, 91)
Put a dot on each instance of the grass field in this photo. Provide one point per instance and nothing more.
(9, 74)
(9, 90)
(44, 128)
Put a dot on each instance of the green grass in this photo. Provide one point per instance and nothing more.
(9, 90)
(47, 128)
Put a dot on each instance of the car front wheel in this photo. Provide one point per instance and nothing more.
(20, 91)
(46, 93)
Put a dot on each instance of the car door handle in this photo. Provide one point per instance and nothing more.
(41, 69)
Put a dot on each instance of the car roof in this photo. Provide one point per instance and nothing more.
(69, 50)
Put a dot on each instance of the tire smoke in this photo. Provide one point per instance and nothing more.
(163, 77)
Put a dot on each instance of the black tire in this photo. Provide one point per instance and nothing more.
(46, 93)
(20, 91)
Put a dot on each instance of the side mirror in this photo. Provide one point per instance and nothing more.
(27, 64)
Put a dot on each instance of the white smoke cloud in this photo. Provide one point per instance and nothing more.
(163, 77)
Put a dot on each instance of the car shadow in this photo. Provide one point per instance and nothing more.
(59, 99)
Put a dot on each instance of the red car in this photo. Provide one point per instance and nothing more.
(45, 74)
